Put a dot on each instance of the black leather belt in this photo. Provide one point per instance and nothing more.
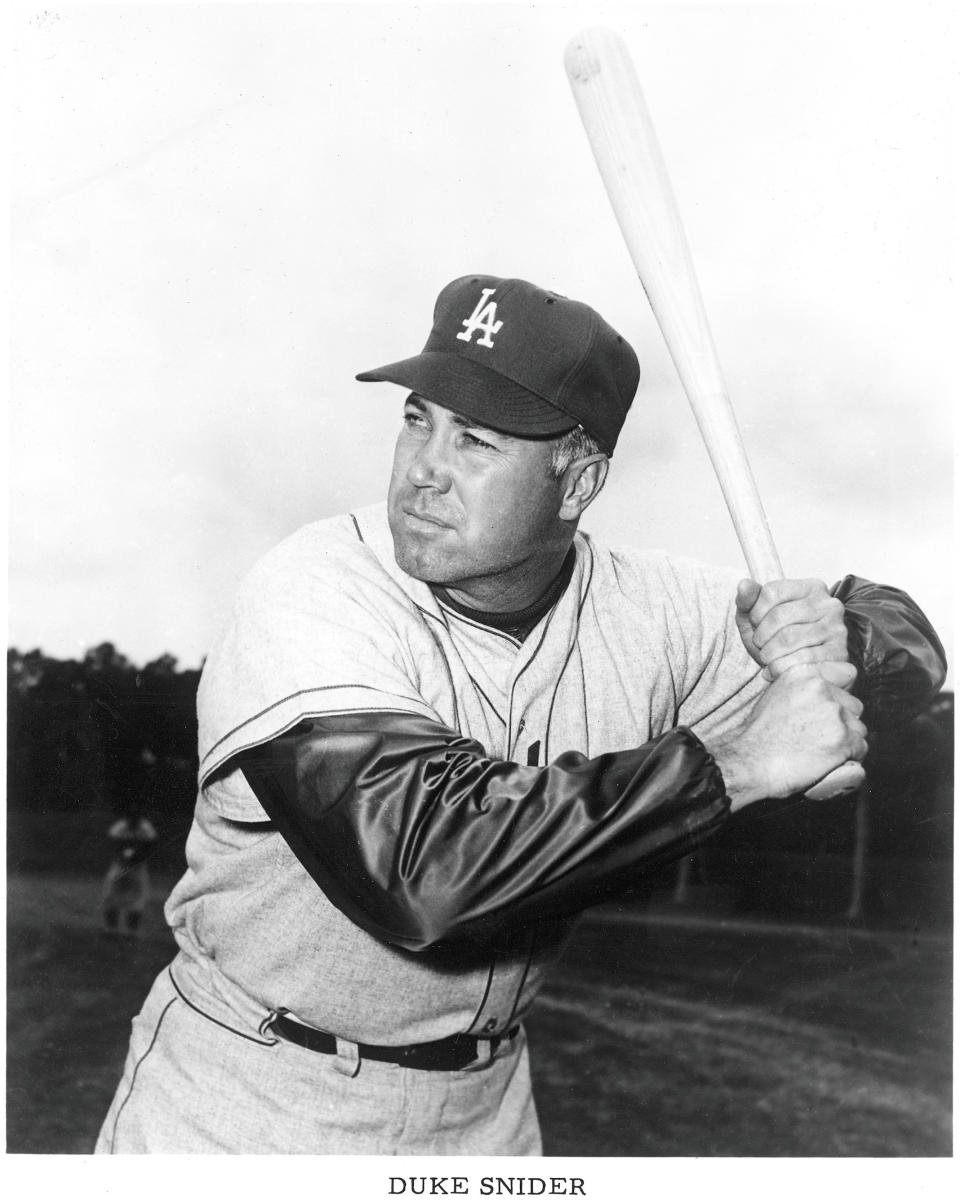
(448, 1054)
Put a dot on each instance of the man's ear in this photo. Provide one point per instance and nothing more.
(583, 481)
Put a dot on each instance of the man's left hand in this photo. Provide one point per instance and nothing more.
(790, 621)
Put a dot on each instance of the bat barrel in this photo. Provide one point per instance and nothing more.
(628, 156)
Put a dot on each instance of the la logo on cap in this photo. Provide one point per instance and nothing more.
(484, 317)
(556, 363)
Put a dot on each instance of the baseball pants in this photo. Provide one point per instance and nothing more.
(192, 1085)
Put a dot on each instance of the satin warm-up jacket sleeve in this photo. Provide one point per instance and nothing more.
(899, 658)
(419, 837)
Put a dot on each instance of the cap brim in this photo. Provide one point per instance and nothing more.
(474, 391)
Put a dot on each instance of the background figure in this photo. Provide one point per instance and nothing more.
(126, 886)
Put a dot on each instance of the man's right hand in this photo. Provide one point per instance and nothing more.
(802, 727)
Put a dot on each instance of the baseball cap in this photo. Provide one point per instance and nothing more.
(521, 360)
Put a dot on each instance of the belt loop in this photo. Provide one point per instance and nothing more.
(484, 1055)
(265, 1028)
(347, 1061)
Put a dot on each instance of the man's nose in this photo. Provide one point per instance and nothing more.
(430, 466)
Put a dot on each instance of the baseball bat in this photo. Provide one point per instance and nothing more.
(624, 143)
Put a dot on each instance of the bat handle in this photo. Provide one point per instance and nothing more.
(763, 562)
(841, 781)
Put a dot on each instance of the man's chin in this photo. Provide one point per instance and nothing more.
(419, 564)
(424, 550)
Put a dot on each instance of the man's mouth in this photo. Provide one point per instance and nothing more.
(426, 518)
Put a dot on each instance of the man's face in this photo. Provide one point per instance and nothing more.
(472, 509)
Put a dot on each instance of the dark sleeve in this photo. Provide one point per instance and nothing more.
(419, 837)
(899, 657)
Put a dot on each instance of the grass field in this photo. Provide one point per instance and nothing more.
(661, 1034)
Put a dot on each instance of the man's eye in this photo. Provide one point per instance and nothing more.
(478, 442)
(413, 418)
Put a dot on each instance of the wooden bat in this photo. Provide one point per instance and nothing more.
(627, 153)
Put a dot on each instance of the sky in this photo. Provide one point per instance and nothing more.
(221, 213)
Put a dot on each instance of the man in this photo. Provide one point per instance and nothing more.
(126, 886)
(435, 731)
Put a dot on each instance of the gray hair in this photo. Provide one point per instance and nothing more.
(570, 446)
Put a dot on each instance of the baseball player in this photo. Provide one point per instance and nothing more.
(435, 731)
(126, 885)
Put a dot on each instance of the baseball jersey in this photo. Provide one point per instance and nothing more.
(328, 624)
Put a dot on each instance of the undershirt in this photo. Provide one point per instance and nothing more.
(518, 623)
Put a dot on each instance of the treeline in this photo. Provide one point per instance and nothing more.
(100, 733)
(89, 739)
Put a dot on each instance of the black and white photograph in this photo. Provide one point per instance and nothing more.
(480, 597)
